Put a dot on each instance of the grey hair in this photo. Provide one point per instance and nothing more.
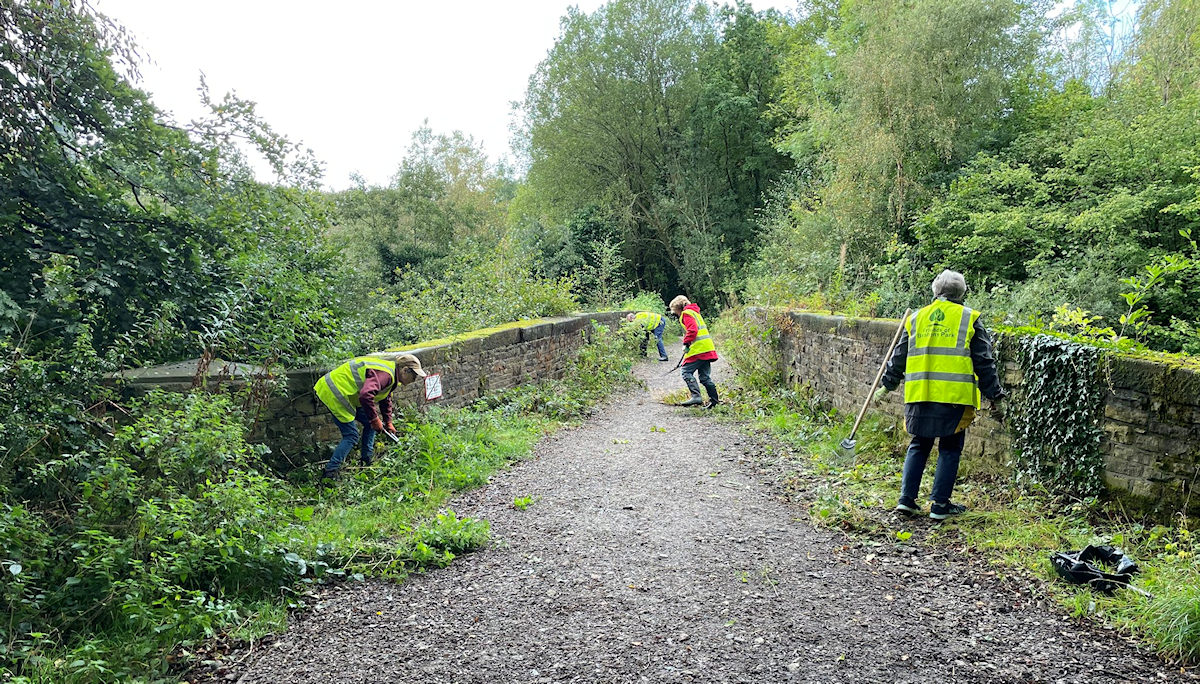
(951, 285)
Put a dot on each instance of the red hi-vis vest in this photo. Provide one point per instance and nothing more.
(939, 366)
(703, 342)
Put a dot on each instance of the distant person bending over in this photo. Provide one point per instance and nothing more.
(944, 357)
(650, 324)
(699, 352)
(352, 390)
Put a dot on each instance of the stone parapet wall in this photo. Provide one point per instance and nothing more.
(299, 429)
(1151, 415)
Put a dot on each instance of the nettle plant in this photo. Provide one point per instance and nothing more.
(1055, 418)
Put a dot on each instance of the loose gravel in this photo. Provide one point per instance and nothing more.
(653, 553)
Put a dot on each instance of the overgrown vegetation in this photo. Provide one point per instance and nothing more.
(836, 159)
(841, 157)
(1050, 157)
(172, 530)
(1014, 527)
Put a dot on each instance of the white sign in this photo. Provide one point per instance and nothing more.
(433, 387)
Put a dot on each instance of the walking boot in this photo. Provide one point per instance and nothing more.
(694, 390)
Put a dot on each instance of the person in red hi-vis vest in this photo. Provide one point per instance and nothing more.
(699, 352)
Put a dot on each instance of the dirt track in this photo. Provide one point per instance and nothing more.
(653, 554)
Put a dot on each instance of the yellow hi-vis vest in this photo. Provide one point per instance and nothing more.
(339, 388)
(703, 342)
(939, 366)
(647, 319)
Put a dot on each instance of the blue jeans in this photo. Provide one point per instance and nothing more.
(949, 451)
(350, 438)
(704, 368)
(658, 333)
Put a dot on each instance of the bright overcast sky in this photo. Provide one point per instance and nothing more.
(352, 80)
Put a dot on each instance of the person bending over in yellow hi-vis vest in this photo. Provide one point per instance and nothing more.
(944, 357)
(652, 324)
(352, 390)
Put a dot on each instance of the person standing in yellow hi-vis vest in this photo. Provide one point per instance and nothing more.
(651, 324)
(699, 352)
(944, 357)
(352, 390)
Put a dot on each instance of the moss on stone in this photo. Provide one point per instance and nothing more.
(470, 335)
(1181, 383)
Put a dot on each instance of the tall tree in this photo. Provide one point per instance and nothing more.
(444, 193)
(727, 159)
(654, 111)
(1168, 46)
(893, 97)
(603, 115)
(113, 217)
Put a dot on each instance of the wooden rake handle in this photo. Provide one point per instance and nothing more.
(882, 367)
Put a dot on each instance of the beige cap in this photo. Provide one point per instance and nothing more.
(410, 361)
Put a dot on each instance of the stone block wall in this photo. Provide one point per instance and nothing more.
(1151, 419)
(298, 427)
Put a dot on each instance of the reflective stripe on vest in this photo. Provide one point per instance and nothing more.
(703, 342)
(939, 366)
(338, 389)
(648, 319)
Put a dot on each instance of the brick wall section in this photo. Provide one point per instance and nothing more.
(1151, 422)
(299, 428)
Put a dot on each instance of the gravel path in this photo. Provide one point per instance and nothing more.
(653, 554)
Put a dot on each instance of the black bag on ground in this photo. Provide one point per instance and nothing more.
(1083, 567)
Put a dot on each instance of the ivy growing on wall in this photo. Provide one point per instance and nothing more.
(1055, 417)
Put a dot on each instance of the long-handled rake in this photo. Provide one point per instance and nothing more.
(847, 445)
(677, 365)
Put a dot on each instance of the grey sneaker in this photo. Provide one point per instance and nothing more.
(907, 506)
(941, 511)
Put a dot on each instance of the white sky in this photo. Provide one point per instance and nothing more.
(352, 80)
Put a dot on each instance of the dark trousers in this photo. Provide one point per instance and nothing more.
(704, 369)
(950, 450)
(658, 333)
(350, 437)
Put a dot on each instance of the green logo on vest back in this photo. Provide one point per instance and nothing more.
(937, 316)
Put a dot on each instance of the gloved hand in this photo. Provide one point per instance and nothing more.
(686, 347)
(880, 394)
(997, 406)
(377, 424)
(391, 428)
